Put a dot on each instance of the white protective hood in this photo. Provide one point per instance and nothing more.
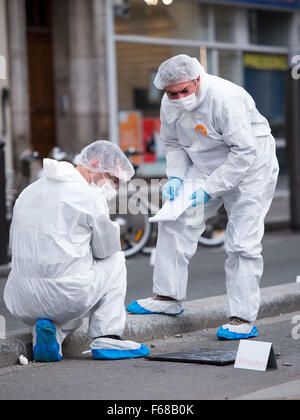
(61, 171)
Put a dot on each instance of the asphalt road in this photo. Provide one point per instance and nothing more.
(140, 379)
(281, 252)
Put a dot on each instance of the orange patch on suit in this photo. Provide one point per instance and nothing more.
(201, 129)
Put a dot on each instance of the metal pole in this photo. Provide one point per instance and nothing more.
(3, 221)
(112, 74)
(293, 147)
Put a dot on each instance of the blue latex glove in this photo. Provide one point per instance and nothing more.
(171, 188)
(199, 197)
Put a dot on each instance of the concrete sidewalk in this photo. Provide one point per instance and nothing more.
(199, 314)
(286, 391)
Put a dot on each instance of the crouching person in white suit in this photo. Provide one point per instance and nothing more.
(66, 258)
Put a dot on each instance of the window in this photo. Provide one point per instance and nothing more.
(181, 19)
(38, 13)
(224, 23)
(269, 28)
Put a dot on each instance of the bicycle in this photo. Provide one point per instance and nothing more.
(214, 234)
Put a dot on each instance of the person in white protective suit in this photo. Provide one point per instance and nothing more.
(66, 257)
(215, 137)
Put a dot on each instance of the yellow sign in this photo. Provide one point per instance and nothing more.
(265, 61)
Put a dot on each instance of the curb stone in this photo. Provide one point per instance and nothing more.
(199, 314)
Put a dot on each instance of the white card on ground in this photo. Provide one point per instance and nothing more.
(172, 210)
(253, 355)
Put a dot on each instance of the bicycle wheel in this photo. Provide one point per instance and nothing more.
(135, 232)
(216, 238)
(214, 234)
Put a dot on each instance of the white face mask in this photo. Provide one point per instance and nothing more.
(109, 191)
(188, 103)
(106, 189)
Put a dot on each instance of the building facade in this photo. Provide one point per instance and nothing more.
(5, 123)
(246, 42)
(81, 70)
(57, 66)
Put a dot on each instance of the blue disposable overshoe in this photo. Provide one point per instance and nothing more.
(226, 334)
(47, 349)
(135, 308)
(114, 354)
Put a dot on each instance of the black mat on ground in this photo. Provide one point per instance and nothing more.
(205, 356)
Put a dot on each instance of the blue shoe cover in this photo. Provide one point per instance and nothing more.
(226, 334)
(114, 354)
(47, 349)
(136, 308)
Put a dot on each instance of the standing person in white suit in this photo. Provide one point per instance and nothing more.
(214, 135)
(66, 257)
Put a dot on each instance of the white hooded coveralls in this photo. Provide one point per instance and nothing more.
(227, 145)
(66, 258)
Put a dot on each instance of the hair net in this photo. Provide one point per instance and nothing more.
(105, 157)
(178, 69)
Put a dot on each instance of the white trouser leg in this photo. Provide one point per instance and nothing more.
(177, 243)
(108, 316)
(68, 328)
(244, 264)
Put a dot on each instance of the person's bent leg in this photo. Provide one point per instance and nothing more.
(177, 243)
(66, 329)
(244, 265)
(108, 317)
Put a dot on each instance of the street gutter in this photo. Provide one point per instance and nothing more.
(199, 314)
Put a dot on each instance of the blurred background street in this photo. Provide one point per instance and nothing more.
(77, 71)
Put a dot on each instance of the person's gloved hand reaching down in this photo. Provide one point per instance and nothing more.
(199, 197)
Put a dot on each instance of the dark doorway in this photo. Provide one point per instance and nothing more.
(268, 88)
(41, 81)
